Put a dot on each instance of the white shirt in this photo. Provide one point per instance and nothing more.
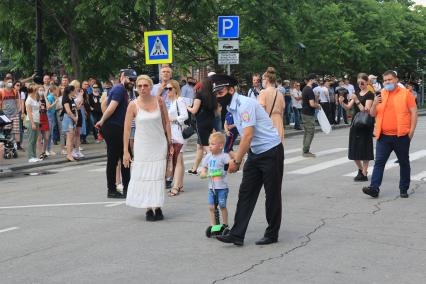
(296, 94)
(180, 118)
(322, 92)
(35, 109)
(251, 94)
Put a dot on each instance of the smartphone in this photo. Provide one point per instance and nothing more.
(226, 167)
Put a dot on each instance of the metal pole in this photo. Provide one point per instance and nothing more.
(38, 78)
(152, 26)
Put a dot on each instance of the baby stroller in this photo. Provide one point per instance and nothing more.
(10, 147)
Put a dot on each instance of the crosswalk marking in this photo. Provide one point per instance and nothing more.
(419, 177)
(319, 154)
(321, 166)
(391, 163)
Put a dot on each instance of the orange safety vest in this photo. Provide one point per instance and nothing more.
(403, 114)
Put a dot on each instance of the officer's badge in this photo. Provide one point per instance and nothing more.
(245, 116)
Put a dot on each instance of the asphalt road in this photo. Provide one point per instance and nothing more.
(61, 228)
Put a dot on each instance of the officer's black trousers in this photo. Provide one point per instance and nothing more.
(263, 169)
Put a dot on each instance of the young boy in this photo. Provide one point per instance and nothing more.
(231, 133)
(213, 166)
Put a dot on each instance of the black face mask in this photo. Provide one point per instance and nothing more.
(225, 100)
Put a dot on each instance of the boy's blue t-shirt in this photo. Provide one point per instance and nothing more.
(215, 165)
(51, 99)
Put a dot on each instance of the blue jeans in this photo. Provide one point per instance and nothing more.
(384, 147)
(221, 197)
(296, 117)
(52, 123)
(341, 111)
(287, 113)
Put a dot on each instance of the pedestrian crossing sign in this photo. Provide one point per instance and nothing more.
(158, 47)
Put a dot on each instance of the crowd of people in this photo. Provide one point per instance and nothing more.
(146, 126)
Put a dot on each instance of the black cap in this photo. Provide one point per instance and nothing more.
(221, 80)
(129, 73)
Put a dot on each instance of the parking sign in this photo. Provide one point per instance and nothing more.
(228, 26)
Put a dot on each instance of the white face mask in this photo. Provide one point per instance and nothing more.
(9, 85)
(40, 93)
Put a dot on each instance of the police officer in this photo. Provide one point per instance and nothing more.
(264, 165)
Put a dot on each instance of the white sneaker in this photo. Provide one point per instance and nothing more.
(33, 160)
(80, 155)
(120, 187)
(80, 148)
(64, 152)
(47, 153)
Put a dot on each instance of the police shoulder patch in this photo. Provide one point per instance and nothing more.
(245, 116)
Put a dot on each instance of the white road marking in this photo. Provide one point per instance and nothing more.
(57, 205)
(419, 177)
(293, 151)
(114, 204)
(321, 166)
(319, 154)
(8, 229)
(391, 163)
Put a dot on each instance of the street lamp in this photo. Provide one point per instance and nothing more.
(38, 76)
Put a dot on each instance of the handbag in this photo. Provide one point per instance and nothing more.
(188, 131)
(362, 120)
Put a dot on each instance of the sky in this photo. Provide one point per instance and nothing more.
(421, 2)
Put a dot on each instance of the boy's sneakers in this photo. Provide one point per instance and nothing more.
(403, 193)
(33, 160)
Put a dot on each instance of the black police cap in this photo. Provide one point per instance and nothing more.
(221, 81)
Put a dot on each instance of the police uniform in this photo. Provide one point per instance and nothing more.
(264, 166)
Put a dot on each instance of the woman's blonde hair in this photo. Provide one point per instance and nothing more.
(76, 84)
(176, 86)
(271, 75)
(146, 78)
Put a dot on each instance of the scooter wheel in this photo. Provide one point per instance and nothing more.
(15, 154)
(209, 231)
(8, 156)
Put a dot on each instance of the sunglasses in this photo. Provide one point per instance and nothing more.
(144, 85)
(168, 89)
(95, 87)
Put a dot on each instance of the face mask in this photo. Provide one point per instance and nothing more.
(374, 81)
(225, 100)
(40, 93)
(9, 85)
(390, 87)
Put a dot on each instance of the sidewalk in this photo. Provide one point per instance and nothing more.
(96, 151)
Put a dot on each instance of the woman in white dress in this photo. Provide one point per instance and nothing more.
(152, 141)
(177, 115)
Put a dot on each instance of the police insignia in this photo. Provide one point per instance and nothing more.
(245, 116)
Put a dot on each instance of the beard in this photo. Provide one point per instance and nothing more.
(129, 86)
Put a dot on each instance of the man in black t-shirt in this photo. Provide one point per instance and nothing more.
(341, 91)
(112, 125)
(308, 115)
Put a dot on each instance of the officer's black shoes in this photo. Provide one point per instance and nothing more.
(115, 194)
(266, 241)
(372, 191)
(191, 172)
(159, 214)
(150, 215)
(230, 239)
(169, 184)
(403, 193)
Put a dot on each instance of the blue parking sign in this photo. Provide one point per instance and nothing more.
(228, 26)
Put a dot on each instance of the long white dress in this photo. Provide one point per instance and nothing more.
(146, 186)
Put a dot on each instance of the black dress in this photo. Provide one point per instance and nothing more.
(361, 140)
(205, 121)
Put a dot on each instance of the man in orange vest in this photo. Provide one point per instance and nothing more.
(396, 118)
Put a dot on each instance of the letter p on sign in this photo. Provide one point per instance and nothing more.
(228, 27)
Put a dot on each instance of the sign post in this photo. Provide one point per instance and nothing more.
(228, 50)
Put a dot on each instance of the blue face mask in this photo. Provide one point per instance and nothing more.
(374, 81)
(390, 87)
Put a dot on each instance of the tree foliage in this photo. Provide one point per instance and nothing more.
(98, 37)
